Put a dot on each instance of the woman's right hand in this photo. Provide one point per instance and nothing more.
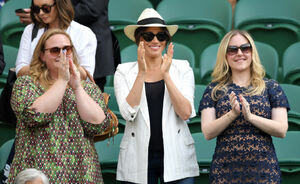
(141, 58)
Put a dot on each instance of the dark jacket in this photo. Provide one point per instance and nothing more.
(93, 14)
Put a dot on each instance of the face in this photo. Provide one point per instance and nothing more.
(46, 10)
(153, 48)
(239, 59)
(53, 49)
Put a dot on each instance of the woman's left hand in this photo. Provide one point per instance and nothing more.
(167, 60)
(245, 108)
(74, 81)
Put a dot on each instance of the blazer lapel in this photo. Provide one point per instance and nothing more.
(167, 100)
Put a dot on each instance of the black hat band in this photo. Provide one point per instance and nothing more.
(151, 21)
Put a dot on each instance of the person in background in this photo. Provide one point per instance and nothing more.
(2, 62)
(94, 14)
(243, 110)
(155, 95)
(47, 14)
(31, 176)
(58, 115)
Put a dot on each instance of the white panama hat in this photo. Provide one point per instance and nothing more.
(149, 18)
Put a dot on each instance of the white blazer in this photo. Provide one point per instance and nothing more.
(179, 151)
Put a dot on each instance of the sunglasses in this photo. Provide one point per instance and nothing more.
(149, 36)
(55, 51)
(45, 8)
(233, 50)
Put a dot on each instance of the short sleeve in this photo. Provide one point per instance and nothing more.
(207, 101)
(24, 93)
(95, 93)
(276, 95)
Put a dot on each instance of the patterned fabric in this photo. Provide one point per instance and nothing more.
(244, 153)
(60, 144)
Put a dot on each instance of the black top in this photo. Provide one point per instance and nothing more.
(155, 97)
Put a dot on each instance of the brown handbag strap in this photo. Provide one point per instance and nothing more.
(89, 76)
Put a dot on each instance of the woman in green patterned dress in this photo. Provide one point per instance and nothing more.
(58, 115)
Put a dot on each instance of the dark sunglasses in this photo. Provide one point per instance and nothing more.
(149, 36)
(233, 50)
(46, 8)
(55, 51)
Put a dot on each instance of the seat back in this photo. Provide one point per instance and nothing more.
(291, 64)
(201, 22)
(267, 54)
(288, 151)
(275, 22)
(10, 27)
(122, 13)
(4, 152)
(269, 59)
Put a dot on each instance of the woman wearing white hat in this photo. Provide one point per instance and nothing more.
(155, 96)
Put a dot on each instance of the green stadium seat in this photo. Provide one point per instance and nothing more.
(288, 154)
(201, 22)
(204, 150)
(108, 153)
(4, 153)
(195, 123)
(292, 92)
(10, 27)
(7, 131)
(291, 64)
(268, 57)
(275, 22)
(122, 13)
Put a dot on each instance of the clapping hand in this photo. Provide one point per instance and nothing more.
(141, 58)
(63, 69)
(167, 60)
(245, 107)
(234, 103)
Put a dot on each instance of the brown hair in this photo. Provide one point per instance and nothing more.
(65, 14)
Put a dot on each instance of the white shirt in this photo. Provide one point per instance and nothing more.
(84, 41)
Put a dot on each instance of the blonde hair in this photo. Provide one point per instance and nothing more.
(38, 69)
(222, 73)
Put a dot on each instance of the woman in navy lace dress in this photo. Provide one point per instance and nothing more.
(243, 110)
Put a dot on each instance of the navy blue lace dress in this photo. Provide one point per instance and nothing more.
(244, 153)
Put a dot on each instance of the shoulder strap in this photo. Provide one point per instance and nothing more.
(34, 32)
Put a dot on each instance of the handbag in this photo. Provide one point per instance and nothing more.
(112, 129)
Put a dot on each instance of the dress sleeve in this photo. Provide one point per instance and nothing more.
(24, 93)
(276, 95)
(207, 101)
(95, 93)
